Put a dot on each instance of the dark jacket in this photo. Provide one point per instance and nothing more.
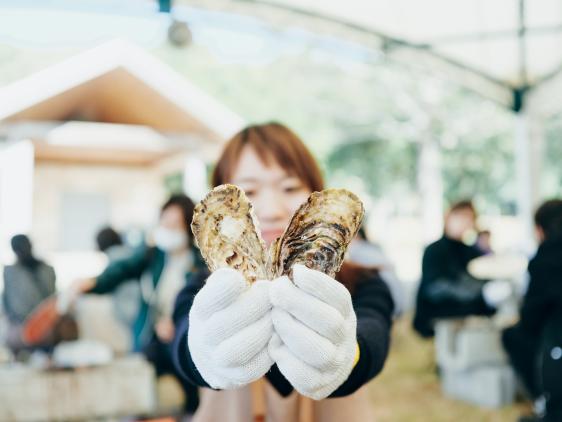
(145, 265)
(541, 317)
(541, 312)
(372, 304)
(540, 325)
(25, 288)
(447, 290)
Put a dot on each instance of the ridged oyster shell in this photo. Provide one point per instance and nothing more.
(319, 233)
(227, 233)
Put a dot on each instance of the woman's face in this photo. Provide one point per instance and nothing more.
(171, 233)
(459, 222)
(172, 219)
(274, 193)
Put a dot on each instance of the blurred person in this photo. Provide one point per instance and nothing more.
(126, 297)
(161, 270)
(251, 346)
(484, 242)
(27, 284)
(534, 344)
(371, 255)
(447, 290)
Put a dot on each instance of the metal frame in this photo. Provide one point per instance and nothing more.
(403, 51)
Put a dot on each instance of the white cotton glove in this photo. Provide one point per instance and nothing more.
(495, 292)
(315, 338)
(229, 330)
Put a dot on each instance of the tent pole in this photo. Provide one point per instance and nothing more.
(528, 155)
(16, 193)
(430, 182)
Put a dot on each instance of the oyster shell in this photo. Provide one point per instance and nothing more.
(226, 232)
(318, 234)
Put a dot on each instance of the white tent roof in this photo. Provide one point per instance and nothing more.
(502, 49)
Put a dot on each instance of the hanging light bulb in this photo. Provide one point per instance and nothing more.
(179, 33)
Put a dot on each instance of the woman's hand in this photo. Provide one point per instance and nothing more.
(165, 329)
(496, 292)
(229, 330)
(69, 296)
(83, 285)
(314, 343)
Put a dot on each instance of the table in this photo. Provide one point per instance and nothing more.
(126, 386)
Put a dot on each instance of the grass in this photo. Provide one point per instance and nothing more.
(408, 389)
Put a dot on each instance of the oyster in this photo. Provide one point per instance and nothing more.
(226, 232)
(318, 234)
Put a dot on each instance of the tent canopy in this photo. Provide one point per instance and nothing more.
(505, 50)
(502, 49)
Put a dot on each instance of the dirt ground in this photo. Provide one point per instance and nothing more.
(408, 390)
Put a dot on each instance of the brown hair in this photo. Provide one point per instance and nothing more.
(351, 274)
(465, 204)
(186, 206)
(271, 141)
(274, 141)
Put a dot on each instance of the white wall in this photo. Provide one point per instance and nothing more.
(132, 196)
(16, 187)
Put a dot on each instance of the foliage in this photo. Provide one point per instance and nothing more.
(383, 165)
(551, 181)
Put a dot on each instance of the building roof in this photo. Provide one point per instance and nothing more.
(152, 107)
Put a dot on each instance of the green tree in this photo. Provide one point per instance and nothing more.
(383, 165)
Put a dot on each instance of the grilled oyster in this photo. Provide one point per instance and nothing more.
(225, 230)
(318, 234)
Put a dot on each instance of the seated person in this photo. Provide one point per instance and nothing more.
(534, 344)
(447, 290)
(127, 296)
(27, 283)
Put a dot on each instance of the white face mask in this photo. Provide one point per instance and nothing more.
(170, 240)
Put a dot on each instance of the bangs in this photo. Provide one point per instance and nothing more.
(273, 143)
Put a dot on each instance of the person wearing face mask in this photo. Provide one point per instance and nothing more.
(447, 290)
(162, 270)
(299, 349)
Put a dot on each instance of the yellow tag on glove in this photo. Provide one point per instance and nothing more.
(357, 354)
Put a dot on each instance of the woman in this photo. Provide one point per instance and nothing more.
(27, 284)
(321, 337)
(447, 289)
(161, 271)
